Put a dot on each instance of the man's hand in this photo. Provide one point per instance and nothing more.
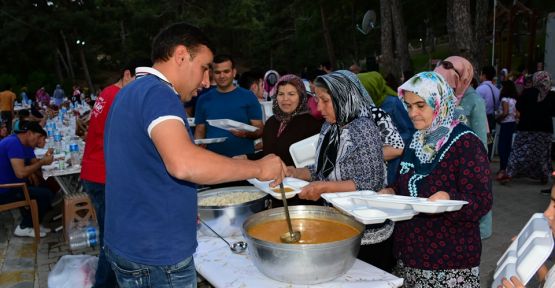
(313, 190)
(272, 168)
(47, 159)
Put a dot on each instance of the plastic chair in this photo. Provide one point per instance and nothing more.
(304, 151)
(77, 209)
(28, 202)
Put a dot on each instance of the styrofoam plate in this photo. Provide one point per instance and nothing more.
(422, 205)
(228, 124)
(374, 216)
(304, 151)
(289, 183)
(210, 140)
(527, 252)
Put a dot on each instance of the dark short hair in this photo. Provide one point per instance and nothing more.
(489, 72)
(32, 126)
(221, 58)
(508, 90)
(250, 77)
(176, 34)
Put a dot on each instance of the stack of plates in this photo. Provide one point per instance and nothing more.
(368, 207)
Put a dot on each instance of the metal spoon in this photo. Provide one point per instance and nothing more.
(290, 236)
(236, 247)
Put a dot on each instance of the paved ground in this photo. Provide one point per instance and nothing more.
(514, 203)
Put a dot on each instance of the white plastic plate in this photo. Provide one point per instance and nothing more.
(210, 140)
(379, 215)
(304, 151)
(531, 248)
(288, 183)
(228, 124)
(422, 205)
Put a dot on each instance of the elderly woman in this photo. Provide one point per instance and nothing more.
(291, 121)
(349, 154)
(445, 160)
(531, 153)
(385, 98)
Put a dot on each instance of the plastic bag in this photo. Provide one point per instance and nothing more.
(73, 271)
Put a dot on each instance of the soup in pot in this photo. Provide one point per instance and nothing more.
(313, 231)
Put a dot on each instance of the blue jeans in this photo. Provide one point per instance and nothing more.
(135, 275)
(104, 276)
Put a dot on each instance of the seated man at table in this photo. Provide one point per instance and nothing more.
(14, 149)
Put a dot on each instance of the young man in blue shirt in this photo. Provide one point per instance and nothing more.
(17, 163)
(153, 166)
(228, 102)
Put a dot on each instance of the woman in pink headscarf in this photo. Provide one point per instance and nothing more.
(459, 73)
(472, 110)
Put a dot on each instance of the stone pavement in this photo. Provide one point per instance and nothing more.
(514, 203)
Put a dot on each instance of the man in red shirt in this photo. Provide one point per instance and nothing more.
(93, 170)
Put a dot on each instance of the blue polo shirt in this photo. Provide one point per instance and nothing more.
(10, 148)
(150, 216)
(240, 105)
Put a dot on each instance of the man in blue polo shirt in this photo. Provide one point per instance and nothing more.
(17, 163)
(228, 102)
(152, 166)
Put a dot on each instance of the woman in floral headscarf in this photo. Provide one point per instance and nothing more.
(531, 153)
(444, 161)
(291, 121)
(349, 155)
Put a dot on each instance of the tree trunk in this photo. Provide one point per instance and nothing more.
(481, 24)
(327, 37)
(463, 32)
(401, 43)
(86, 69)
(450, 23)
(58, 68)
(386, 56)
(68, 55)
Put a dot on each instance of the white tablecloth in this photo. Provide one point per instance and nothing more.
(222, 268)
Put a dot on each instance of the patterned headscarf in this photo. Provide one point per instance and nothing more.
(439, 95)
(302, 108)
(376, 86)
(459, 78)
(349, 102)
(542, 82)
(270, 80)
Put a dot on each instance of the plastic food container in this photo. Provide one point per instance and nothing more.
(527, 253)
(304, 151)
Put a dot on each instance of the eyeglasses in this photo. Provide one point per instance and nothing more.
(449, 66)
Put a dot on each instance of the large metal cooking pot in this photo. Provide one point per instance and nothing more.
(303, 263)
(227, 220)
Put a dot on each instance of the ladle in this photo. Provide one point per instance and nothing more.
(290, 236)
(235, 247)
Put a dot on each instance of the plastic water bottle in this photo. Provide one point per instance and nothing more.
(81, 238)
(74, 153)
(58, 142)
